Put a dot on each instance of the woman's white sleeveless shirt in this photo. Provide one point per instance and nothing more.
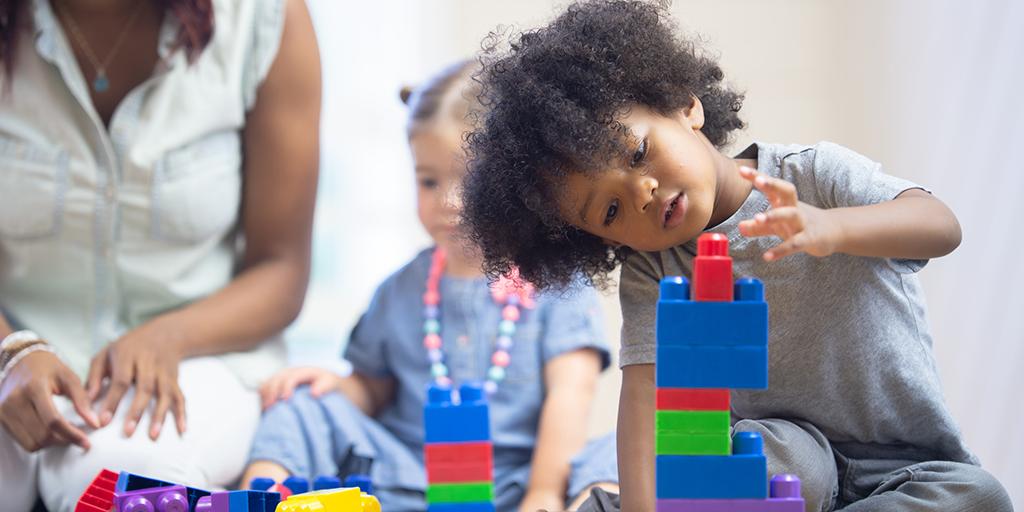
(102, 230)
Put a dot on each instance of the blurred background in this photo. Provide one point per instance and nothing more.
(930, 88)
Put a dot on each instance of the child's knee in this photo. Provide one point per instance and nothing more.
(971, 487)
(802, 451)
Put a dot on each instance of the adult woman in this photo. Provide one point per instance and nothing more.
(128, 241)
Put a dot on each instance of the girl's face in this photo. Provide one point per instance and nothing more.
(658, 195)
(440, 165)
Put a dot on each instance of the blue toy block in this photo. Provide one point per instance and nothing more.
(461, 507)
(712, 367)
(326, 482)
(261, 483)
(296, 484)
(768, 505)
(674, 288)
(127, 482)
(444, 421)
(363, 482)
(682, 322)
(253, 501)
(711, 476)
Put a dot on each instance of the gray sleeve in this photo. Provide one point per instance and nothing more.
(843, 177)
(638, 298)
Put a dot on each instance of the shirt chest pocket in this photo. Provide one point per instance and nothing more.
(197, 189)
(33, 180)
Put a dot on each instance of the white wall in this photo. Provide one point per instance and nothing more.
(928, 87)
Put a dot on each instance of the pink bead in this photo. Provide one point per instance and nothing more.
(510, 313)
(432, 341)
(501, 358)
(499, 294)
(431, 298)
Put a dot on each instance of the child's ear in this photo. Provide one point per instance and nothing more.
(693, 116)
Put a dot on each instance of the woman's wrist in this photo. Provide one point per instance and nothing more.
(14, 343)
(13, 357)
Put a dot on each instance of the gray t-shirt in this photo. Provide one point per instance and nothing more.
(849, 349)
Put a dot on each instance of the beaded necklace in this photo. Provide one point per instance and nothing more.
(510, 293)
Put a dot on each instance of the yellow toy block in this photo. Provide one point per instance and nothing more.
(330, 500)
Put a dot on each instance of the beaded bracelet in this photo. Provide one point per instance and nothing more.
(18, 337)
(41, 346)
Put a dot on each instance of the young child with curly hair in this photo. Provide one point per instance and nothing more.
(603, 145)
(438, 319)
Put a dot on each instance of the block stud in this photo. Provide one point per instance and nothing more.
(785, 486)
(712, 244)
(675, 288)
(748, 289)
(747, 443)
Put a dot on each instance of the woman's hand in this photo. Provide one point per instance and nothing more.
(802, 227)
(26, 403)
(147, 358)
(281, 386)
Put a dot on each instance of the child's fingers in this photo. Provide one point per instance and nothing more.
(791, 246)
(782, 222)
(779, 192)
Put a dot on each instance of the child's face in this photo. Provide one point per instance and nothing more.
(659, 195)
(440, 165)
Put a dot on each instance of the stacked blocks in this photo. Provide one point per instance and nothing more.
(458, 453)
(706, 345)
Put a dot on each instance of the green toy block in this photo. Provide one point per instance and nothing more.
(460, 493)
(692, 422)
(692, 444)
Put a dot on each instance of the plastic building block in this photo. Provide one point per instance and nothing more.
(748, 289)
(462, 472)
(695, 422)
(99, 496)
(261, 483)
(711, 476)
(688, 399)
(712, 367)
(712, 323)
(326, 482)
(461, 507)
(445, 421)
(155, 499)
(297, 484)
(712, 269)
(253, 501)
(127, 482)
(785, 497)
(460, 493)
(768, 505)
(692, 444)
(331, 500)
(447, 453)
(282, 490)
(363, 482)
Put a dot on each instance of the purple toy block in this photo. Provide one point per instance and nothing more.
(158, 499)
(784, 486)
(769, 505)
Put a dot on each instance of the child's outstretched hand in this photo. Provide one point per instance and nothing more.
(802, 227)
(282, 384)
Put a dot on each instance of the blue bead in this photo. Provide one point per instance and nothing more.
(504, 342)
(507, 327)
(101, 84)
(430, 311)
(496, 373)
(435, 355)
(438, 370)
(431, 326)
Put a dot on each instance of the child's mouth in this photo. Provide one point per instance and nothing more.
(674, 211)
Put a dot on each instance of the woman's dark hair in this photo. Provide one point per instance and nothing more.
(195, 17)
(451, 92)
(552, 102)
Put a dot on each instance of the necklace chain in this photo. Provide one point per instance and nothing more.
(101, 83)
(509, 293)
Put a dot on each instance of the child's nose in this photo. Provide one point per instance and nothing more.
(645, 188)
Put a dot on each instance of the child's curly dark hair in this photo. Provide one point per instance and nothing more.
(552, 102)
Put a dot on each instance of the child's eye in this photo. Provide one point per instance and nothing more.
(428, 183)
(640, 154)
(613, 210)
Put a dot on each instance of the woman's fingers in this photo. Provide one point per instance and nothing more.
(71, 387)
(145, 387)
(53, 424)
(178, 408)
(121, 378)
(98, 368)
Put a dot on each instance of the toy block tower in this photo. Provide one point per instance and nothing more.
(458, 453)
(710, 339)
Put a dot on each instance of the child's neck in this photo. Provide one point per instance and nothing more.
(460, 264)
(732, 189)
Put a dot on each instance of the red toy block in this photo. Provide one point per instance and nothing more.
(692, 399)
(449, 453)
(282, 490)
(99, 496)
(712, 269)
(459, 473)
